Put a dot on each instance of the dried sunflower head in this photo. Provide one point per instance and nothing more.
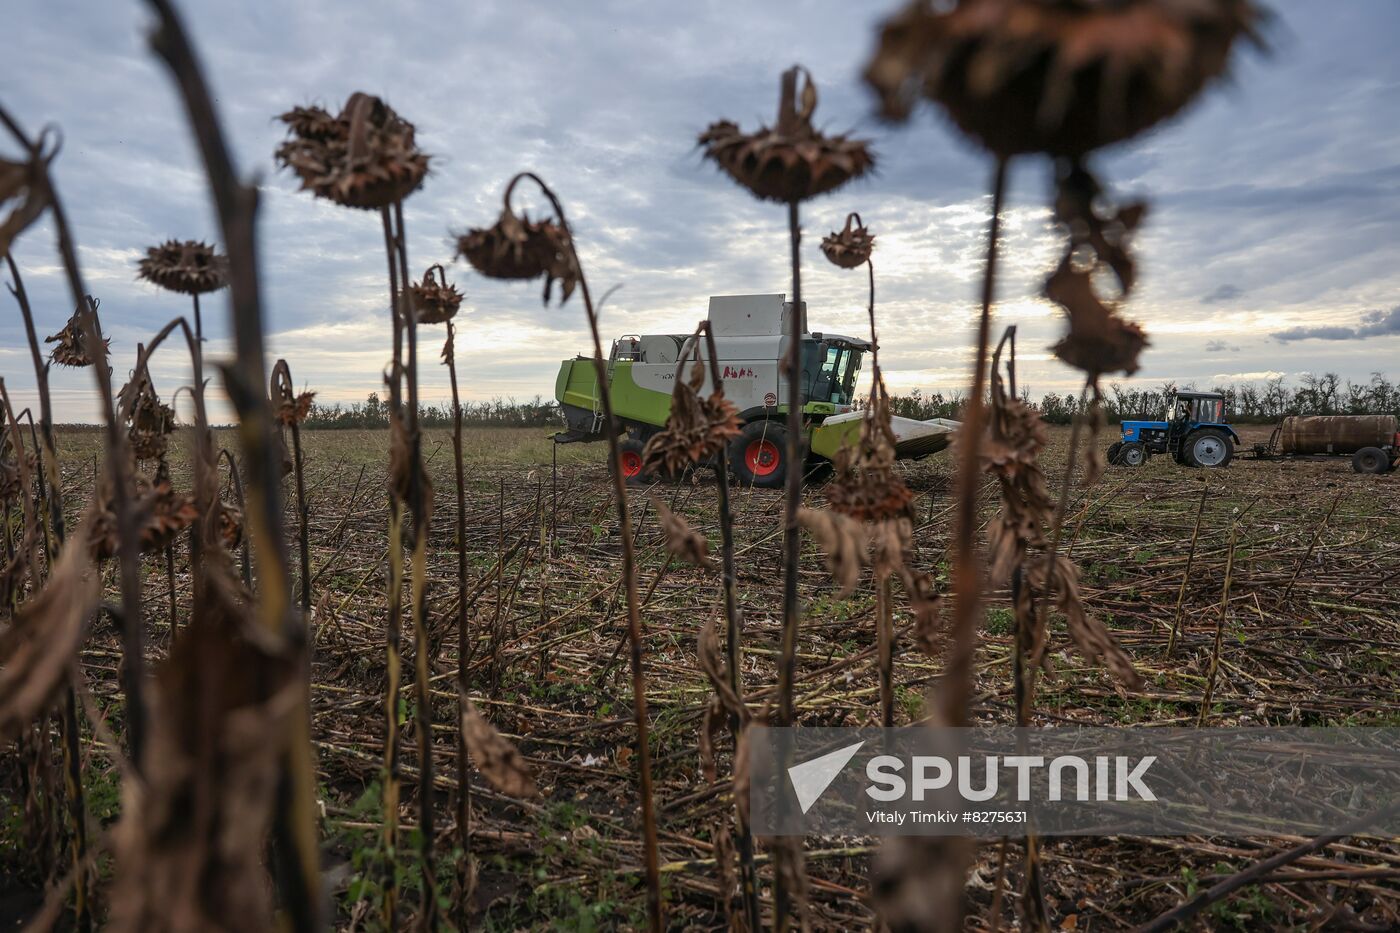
(1057, 76)
(516, 247)
(849, 247)
(149, 420)
(72, 347)
(365, 157)
(230, 525)
(293, 409)
(696, 429)
(435, 301)
(790, 161)
(11, 477)
(867, 486)
(160, 513)
(190, 267)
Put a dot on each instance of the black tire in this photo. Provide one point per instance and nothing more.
(1112, 455)
(630, 458)
(758, 456)
(1209, 449)
(1131, 454)
(1370, 460)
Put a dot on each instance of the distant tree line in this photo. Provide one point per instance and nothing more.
(1247, 403)
(500, 413)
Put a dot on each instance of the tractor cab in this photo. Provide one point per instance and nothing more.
(1194, 432)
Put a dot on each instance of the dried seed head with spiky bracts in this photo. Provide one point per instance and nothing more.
(72, 349)
(149, 420)
(867, 486)
(516, 247)
(435, 300)
(791, 161)
(190, 267)
(294, 409)
(851, 246)
(1063, 77)
(160, 514)
(697, 428)
(365, 157)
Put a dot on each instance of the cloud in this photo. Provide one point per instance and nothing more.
(1226, 292)
(605, 100)
(1373, 324)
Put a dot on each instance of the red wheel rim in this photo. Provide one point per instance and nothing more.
(631, 463)
(762, 457)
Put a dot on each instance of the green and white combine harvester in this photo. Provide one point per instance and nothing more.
(750, 341)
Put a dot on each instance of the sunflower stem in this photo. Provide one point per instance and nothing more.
(967, 561)
(69, 731)
(464, 874)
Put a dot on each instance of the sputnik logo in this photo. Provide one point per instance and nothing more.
(810, 779)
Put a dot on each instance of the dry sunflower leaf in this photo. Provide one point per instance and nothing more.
(844, 541)
(38, 649)
(497, 758)
(682, 540)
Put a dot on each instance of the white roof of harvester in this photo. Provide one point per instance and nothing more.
(757, 316)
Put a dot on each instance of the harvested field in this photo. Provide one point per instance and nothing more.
(1310, 637)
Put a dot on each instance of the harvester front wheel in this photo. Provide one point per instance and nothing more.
(759, 455)
(629, 457)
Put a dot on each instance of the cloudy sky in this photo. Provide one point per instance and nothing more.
(1270, 247)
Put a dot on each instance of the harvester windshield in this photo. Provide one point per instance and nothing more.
(830, 371)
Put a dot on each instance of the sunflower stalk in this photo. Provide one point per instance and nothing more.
(748, 873)
(69, 729)
(294, 843)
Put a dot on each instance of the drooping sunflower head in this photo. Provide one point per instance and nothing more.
(790, 161)
(851, 246)
(516, 247)
(365, 157)
(72, 349)
(1063, 77)
(190, 267)
(434, 299)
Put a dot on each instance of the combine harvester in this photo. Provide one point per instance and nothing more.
(750, 340)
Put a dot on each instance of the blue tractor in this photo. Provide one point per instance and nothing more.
(1194, 433)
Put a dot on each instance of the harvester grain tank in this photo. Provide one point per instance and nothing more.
(750, 342)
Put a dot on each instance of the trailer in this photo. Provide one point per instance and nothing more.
(1372, 441)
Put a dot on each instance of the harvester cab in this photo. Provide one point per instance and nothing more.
(751, 339)
(1194, 432)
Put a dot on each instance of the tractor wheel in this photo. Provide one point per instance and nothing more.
(1211, 449)
(1370, 460)
(1131, 454)
(629, 457)
(758, 456)
(1112, 454)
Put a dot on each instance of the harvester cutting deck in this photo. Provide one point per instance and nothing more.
(750, 341)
